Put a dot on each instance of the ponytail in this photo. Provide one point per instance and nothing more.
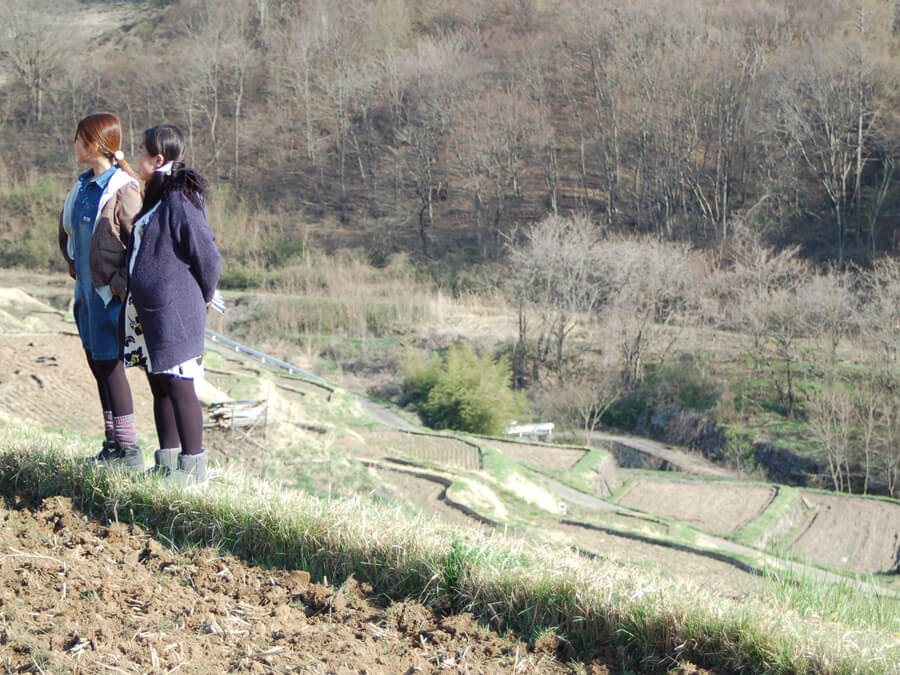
(168, 141)
(188, 182)
(127, 169)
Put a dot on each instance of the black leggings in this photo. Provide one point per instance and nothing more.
(177, 412)
(112, 385)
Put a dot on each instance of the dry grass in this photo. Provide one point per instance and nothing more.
(320, 297)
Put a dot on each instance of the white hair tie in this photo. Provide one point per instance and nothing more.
(165, 168)
(119, 155)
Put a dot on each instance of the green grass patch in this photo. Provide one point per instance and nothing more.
(582, 476)
(840, 603)
(763, 530)
(497, 464)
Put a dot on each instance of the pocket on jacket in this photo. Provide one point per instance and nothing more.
(108, 261)
(193, 320)
(162, 326)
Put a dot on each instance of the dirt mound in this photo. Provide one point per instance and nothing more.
(715, 507)
(78, 596)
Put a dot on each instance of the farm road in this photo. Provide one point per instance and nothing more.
(688, 462)
(387, 416)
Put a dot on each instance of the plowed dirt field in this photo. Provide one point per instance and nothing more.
(855, 533)
(716, 507)
(79, 596)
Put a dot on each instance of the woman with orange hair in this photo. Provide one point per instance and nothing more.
(94, 233)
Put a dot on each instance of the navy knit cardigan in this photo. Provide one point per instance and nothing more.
(174, 276)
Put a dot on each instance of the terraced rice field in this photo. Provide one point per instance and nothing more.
(854, 533)
(423, 447)
(546, 457)
(721, 507)
(718, 576)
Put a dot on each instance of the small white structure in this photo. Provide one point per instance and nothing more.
(536, 431)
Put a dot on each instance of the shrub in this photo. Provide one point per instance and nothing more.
(29, 217)
(683, 384)
(624, 413)
(464, 391)
(420, 375)
(739, 447)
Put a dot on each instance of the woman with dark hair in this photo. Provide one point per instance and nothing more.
(173, 268)
(94, 231)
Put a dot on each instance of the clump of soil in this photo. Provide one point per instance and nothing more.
(82, 597)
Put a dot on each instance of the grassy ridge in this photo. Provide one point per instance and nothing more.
(508, 582)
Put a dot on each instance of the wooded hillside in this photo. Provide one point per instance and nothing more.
(435, 127)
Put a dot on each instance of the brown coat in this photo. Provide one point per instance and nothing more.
(109, 243)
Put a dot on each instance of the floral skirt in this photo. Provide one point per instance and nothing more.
(136, 353)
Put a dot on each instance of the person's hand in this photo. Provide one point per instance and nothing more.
(208, 305)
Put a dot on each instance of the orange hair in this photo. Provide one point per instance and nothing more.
(104, 131)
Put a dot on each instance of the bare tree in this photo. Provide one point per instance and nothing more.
(554, 274)
(868, 409)
(825, 113)
(785, 321)
(239, 60)
(650, 293)
(298, 40)
(492, 140)
(723, 108)
(470, 148)
(582, 398)
(439, 71)
(537, 78)
(831, 418)
(207, 32)
(884, 155)
(880, 309)
(344, 80)
(762, 297)
(830, 302)
(33, 42)
(751, 269)
(602, 44)
(184, 92)
(888, 437)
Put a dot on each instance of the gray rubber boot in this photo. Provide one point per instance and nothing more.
(127, 457)
(166, 461)
(191, 470)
